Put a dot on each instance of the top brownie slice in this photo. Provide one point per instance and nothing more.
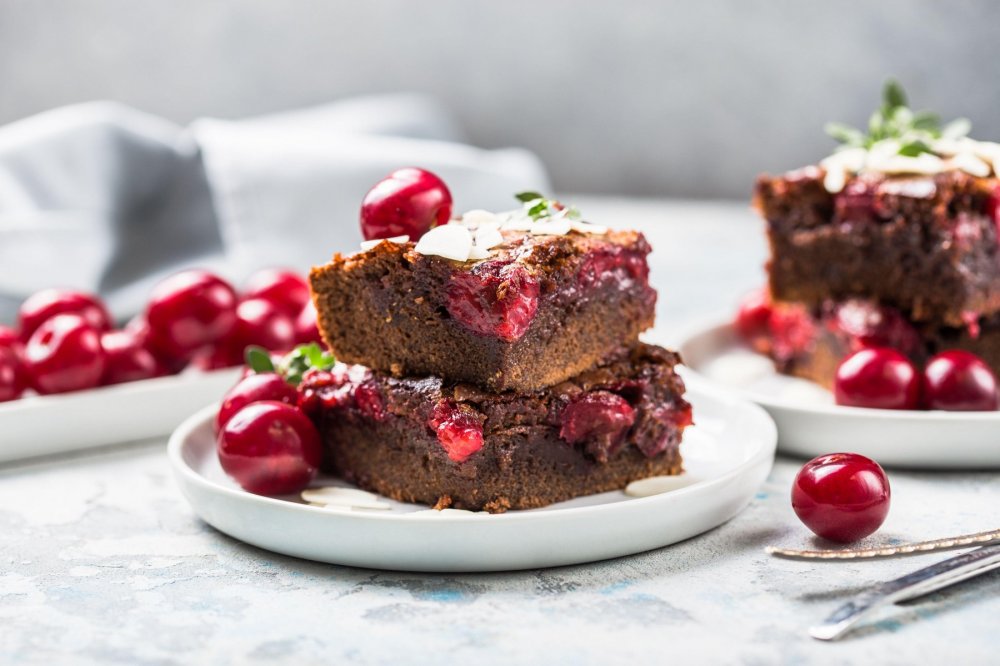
(926, 244)
(539, 309)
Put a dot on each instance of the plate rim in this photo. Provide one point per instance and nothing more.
(718, 324)
(765, 453)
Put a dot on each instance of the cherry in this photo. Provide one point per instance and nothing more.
(13, 379)
(408, 202)
(753, 314)
(9, 337)
(126, 358)
(841, 496)
(138, 328)
(259, 322)
(877, 377)
(458, 429)
(270, 448)
(44, 305)
(64, 354)
(959, 381)
(869, 324)
(792, 330)
(307, 327)
(255, 388)
(286, 289)
(600, 419)
(494, 299)
(188, 311)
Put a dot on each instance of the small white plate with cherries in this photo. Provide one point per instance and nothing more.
(70, 381)
(939, 414)
(727, 456)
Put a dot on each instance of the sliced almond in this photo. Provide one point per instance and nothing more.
(451, 241)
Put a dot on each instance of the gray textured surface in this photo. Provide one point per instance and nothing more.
(101, 560)
(635, 96)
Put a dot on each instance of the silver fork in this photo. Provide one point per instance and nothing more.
(918, 548)
(910, 586)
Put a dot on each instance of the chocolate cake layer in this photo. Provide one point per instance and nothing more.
(540, 310)
(927, 245)
(811, 342)
(454, 445)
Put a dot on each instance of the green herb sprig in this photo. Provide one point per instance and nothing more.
(294, 364)
(915, 131)
(537, 207)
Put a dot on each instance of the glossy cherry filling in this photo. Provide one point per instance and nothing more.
(495, 298)
(458, 428)
(343, 387)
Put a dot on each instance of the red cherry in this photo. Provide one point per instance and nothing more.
(126, 359)
(307, 327)
(959, 381)
(841, 496)
(754, 314)
(600, 420)
(408, 202)
(9, 337)
(138, 328)
(13, 379)
(64, 354)
(44, 305)
(287, 290)
(877, 377)
(261, 323)
(459, 431)
(270, 448)
(255, 388)
(188, 311)
(494, 299)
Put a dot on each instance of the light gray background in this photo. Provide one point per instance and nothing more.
(632, 97)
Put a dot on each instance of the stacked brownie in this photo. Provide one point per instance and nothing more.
(502, 375)
(901, 252)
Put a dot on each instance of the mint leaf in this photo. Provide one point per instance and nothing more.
(304, 358)
(926, 121)
(893, 95)
(525, 197)
(915, 131)
(258, 360)
(845, 134)
(914, 148)
(539, 209)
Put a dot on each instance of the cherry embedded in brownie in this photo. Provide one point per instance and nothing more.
(455, 445)
(536, 311)
(926, 244)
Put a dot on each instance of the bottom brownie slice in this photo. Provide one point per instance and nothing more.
(453, 445)
(811, 343)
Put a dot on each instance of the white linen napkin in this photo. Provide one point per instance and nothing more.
(108, 199)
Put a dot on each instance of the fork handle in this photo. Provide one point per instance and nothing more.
(913, 585)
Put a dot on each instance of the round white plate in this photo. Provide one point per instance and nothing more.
(810, 424)
(727, 455)
(41, 425)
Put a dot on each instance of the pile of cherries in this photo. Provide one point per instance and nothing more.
(881, 377)
(65, 340)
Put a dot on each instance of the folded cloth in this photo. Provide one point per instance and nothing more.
(107, 199)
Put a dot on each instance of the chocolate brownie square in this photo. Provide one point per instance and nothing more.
(538, 310)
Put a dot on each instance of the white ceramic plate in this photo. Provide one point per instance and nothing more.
(728, 454)
(42, 425)
(810, 424)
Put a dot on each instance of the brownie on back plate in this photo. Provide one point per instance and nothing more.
(926, 244)
(536, 311)
(455, 445)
